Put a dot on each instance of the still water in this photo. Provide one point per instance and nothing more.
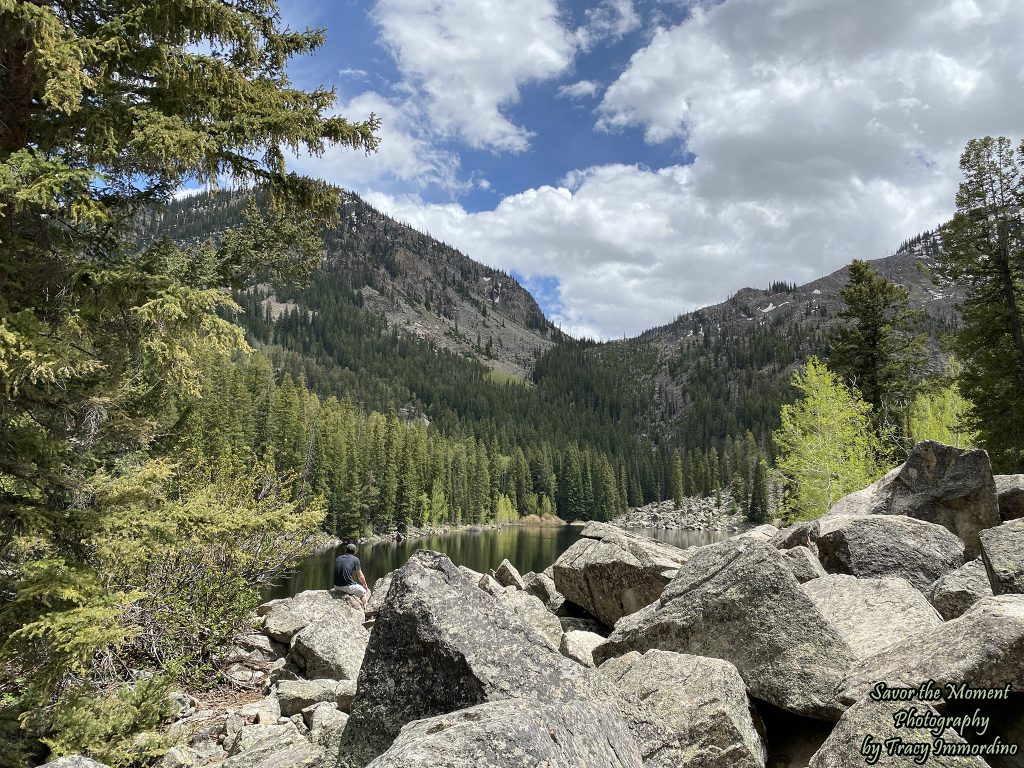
(528, 548)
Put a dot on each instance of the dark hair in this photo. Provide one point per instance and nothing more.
(351, 549)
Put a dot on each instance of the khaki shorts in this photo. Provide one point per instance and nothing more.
(352, 589)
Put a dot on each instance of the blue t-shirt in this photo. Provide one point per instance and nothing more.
(344, 567)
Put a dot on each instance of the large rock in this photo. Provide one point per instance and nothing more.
(737, 600)
(441, 644)
(1002, 549)
(940, 484)
(579, 646)
(982, 648)
(699, 708)
(888, 545)
(508, 576)
(377, 595)
(286, 618)
(331, 646)
(800, 534)
(764, 532)
(326, 726)
(532, 611)
(870, 721)
(611, 573)
(871, 614)
(803, 563)
(284, 748)
(516, 734)
(1010, 496)
(958, 590)
(295, 695)
(542, 586)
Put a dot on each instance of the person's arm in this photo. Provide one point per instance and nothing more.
(362, 579)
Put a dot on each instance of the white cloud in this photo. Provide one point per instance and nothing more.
(583, 89)
(406, 157)
(608, 20)
(467, 59)
(823, 130)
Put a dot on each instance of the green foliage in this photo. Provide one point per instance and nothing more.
(877, 352)
(826, 446)
(759, 511)
(115, 726)
(983, 250)
(108, 108)
(940, 413)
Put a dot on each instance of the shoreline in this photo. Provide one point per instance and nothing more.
(444, 530)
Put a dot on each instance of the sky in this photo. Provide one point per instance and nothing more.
(631, 160)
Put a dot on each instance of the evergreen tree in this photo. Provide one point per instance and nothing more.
(877, 351)
(107, 108)
(759, 511)
(983, 251)
(677, 479)
(826, 445)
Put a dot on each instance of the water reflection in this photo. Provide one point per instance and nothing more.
(528, 548)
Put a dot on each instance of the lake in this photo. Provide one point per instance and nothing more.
(528, 548)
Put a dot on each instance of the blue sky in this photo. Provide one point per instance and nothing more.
(633, 159)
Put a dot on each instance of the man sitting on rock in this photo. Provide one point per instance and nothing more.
(345, 567)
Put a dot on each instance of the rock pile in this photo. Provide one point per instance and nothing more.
(628, 653)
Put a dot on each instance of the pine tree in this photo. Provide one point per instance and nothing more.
(759, 511)
(983, 251)
(878, 353)
(677, 479)
(108, 108)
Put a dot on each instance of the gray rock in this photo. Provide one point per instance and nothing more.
(699, 712)
(245, 674)
(180, 757)
(1010, 496)
(888, 545)
(330, 647)
(266, 710)
(326, 725)
(299, 721)
(73, 761)
(491, 586)
(982, 648)
(508, 576)
(532, 611)
(287, 749)
(871, 614)
(1002, 550)
(543, 587)
(440, 644)
(958, 590)
(344, 693)
(474, 576)
(377, 595)
(286, 618)
(579, 646)
(766, 532)
(259, 647)
(948, 486)
(516, 734)
(249, 737)
(842, 749)
(611, 573)
(283, 669)
(295, 695)
(737, 601)
(856, 504)
(803, 564)
(797, 535)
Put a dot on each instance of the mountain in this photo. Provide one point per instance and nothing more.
(412, 281)
(396, 320)
(723, 369)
